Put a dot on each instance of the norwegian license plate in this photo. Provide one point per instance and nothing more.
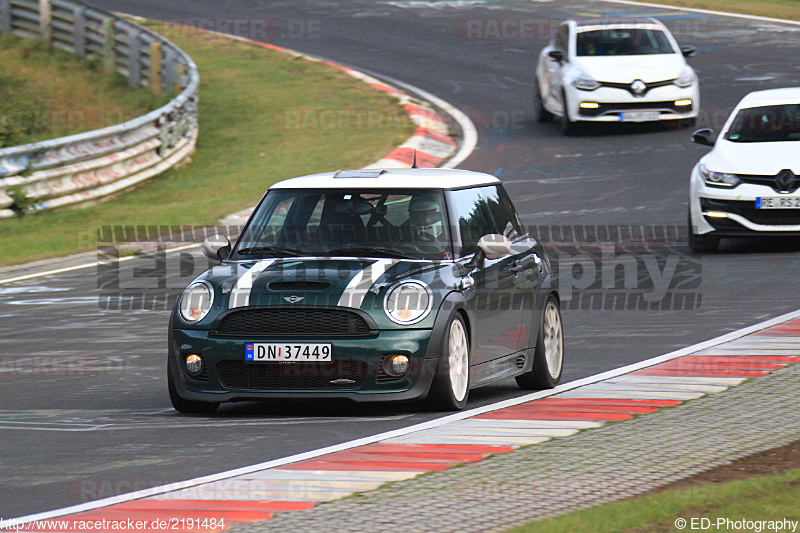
(778, 202)
(274, 352)
(639, 116)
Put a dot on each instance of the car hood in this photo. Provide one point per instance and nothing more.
(765, 159)
(319, 281)
(627, 69)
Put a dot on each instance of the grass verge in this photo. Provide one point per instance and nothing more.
(758, 498)
(264, 116)
(44, 95)
(782, 9)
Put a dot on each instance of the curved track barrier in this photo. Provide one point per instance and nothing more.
(86, 167)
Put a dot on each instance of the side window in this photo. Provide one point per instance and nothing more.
(483, 210)
(562, 39)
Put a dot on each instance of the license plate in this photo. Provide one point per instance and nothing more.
(639, 116)
(777, 202)
(273, 352)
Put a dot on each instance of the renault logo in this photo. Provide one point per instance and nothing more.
(293, 299)
(638, 87)
(786, 181)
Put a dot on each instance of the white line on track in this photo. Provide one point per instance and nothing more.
(407, 430)
(88, 265)
(704, 11)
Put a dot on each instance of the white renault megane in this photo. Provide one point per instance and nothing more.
(612, 70)
(749, 184)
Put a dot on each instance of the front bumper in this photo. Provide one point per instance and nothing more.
(613, 102)
(355, 372)
(732, 212)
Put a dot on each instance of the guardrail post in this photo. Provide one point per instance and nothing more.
(134, 61)
(108, 48)
(45, 18)
(5, 16)
(180, 73)
(79, 32)
(155, 67)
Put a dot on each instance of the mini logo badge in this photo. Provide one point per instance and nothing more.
(293, 299)
(638, 87)
(786, 180)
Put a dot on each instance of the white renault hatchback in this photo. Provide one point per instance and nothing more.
(615, 70)
(749, 184)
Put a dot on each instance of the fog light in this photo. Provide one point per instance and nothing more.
(682, 103)
(716, 214)
(589, 105)
(395, 365)
(194, 364)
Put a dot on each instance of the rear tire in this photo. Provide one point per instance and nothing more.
(450, 387)
(185, 406)
(542, 114)
(548, 357)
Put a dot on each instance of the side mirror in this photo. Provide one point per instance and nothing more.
(556, 55)
(688, 51)
(494, 245)
(705, 137)
(217, 247)
(491, 246)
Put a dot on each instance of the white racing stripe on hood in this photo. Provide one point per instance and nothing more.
(240, 294)
(356, 290)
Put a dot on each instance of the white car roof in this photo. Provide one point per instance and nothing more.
(789, 95)
(648, 23)
(405, 178)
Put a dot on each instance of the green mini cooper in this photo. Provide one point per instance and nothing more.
(370, 285)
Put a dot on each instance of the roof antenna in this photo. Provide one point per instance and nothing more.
(414, 164)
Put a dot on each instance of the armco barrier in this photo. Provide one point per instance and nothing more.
(91, 165)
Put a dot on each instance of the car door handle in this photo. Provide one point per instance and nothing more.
(516, 267)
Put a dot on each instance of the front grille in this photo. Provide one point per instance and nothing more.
(747, 209)
(627, 86)
(296, 376)
(284, 322)
(606, 108)
(769, 181)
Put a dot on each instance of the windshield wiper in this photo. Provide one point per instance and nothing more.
(370, 251)
(275, 249)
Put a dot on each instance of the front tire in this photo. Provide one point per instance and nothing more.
(548, 357)
(542, 114)
(707, 242)
(185, 406)
(568, 127)
(450, 387)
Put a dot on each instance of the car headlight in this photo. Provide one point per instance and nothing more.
(585, 83)
(408, 302)
(686, 79)
(196, 301)
(718, 179)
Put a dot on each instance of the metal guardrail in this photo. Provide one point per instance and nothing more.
(89, 166)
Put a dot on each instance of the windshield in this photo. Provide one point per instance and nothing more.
(623, 42)
(348, 222)
(766, 124)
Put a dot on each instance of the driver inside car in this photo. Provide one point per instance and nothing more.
(425, 218)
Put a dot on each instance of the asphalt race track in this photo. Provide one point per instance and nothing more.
(84, 411)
